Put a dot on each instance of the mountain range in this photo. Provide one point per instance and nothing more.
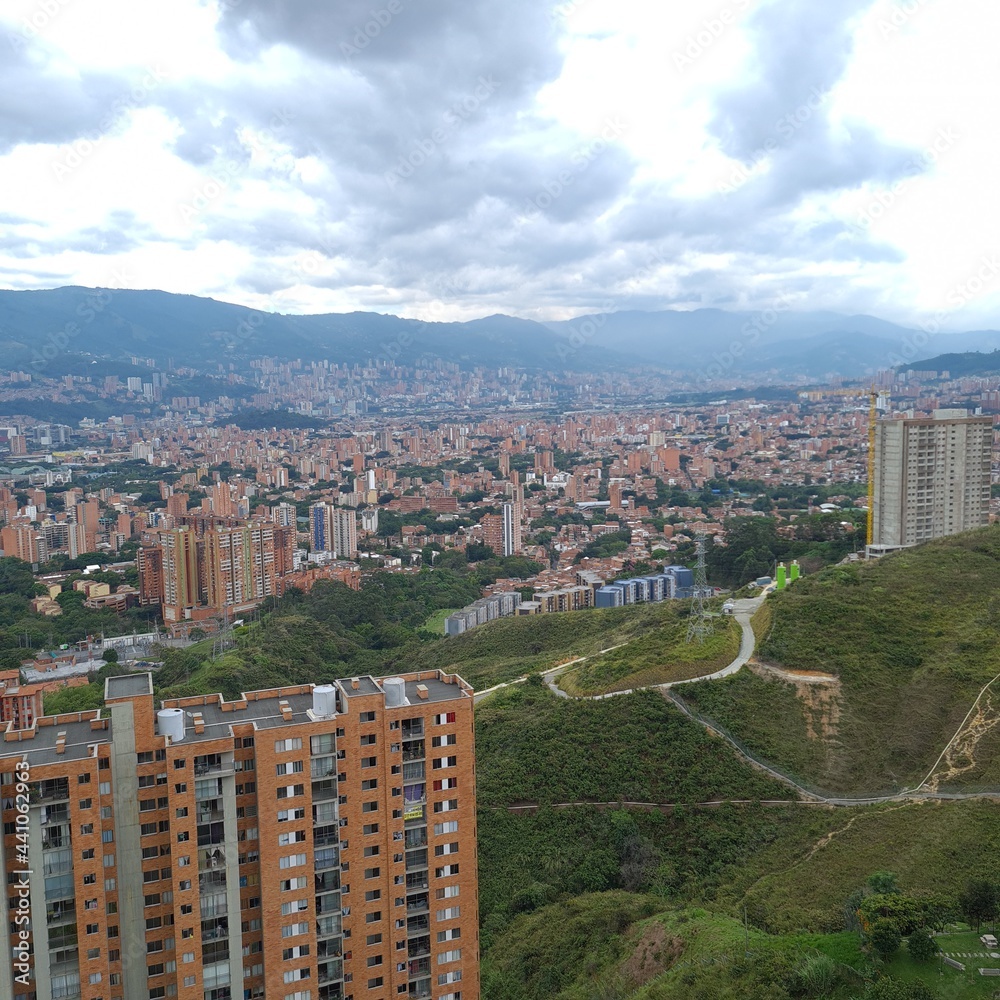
(52, 330)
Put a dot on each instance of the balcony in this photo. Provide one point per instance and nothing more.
(418, 947)
(49, 791)
(414, 750)
(418, 925)
(54, 814)
(416, 859)
(214, 858)
(216, 931)
(416, 880)
(417, 904)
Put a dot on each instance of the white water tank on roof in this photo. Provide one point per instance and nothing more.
(395, 692)
(170, 722)
(324, 700)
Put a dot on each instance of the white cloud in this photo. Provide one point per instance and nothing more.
(245, 153)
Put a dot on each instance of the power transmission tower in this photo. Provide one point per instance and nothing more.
(699, 625)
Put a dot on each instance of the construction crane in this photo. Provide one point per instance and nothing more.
(873, 395)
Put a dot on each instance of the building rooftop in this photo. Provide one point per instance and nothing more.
(260, 708)
(128, 686)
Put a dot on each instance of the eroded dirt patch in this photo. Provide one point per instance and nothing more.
(819, 694)
(655, 952)
(960, 756)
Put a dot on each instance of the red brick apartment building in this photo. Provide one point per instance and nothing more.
(302, 843)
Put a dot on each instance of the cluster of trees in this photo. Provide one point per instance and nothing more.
(22, 630)
(753, 545)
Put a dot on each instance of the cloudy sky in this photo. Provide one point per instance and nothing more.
(447, 159)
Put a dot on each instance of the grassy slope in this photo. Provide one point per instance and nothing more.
(532, 746)
(912, 639)
(658, 656)
(512, 647)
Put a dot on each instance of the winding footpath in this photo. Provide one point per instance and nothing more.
(744, 610)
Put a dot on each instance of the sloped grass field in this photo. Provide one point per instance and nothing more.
(534, 747)
(912, 638)
(508, 648)
(657, 657)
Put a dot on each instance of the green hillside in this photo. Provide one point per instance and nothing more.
(911, 640)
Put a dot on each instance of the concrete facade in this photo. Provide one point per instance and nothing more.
(932, 477)
(288, 845)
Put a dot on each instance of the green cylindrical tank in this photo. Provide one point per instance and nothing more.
(795, 571)
(781, 576)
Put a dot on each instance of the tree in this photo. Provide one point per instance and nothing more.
(921, 946)
(978, 902)
(884, 937)
(883, 883)
(110, 655)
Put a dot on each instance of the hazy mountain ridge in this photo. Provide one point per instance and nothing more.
(711, 344)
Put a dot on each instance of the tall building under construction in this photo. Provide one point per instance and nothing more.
(932, 477)
(301, 843)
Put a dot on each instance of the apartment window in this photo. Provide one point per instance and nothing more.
(373, 872)
(444, 784)
(181, 813)
(446, 871)
(375, 983)
(368, 739)
(369, 761)
(144, 758)
(284, 815)
(109, 861)
(373, 939)
(444, 719)
(451, 913)
(372, 895)
(295, 837)
(290, 767)
(291, 860)
(370, 852)
(183, 836)
(373, 961)
(87, 828)
(449, 827)
(369, 784)
(369, 807)
(449, 935)
(293, 883)
(448, 892)
(443, 849)
(93, 928)
(450, 956)
(448, 805)
(87, 854)
(444, 741)
(293, 743)
(374, 917)
(367, 716)
(105, 812)
(179, 763)
(104, 788)
(293, 930)
(440, 762)
(290, 791)
(369, 828)
(83, 779)
(181, 787)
